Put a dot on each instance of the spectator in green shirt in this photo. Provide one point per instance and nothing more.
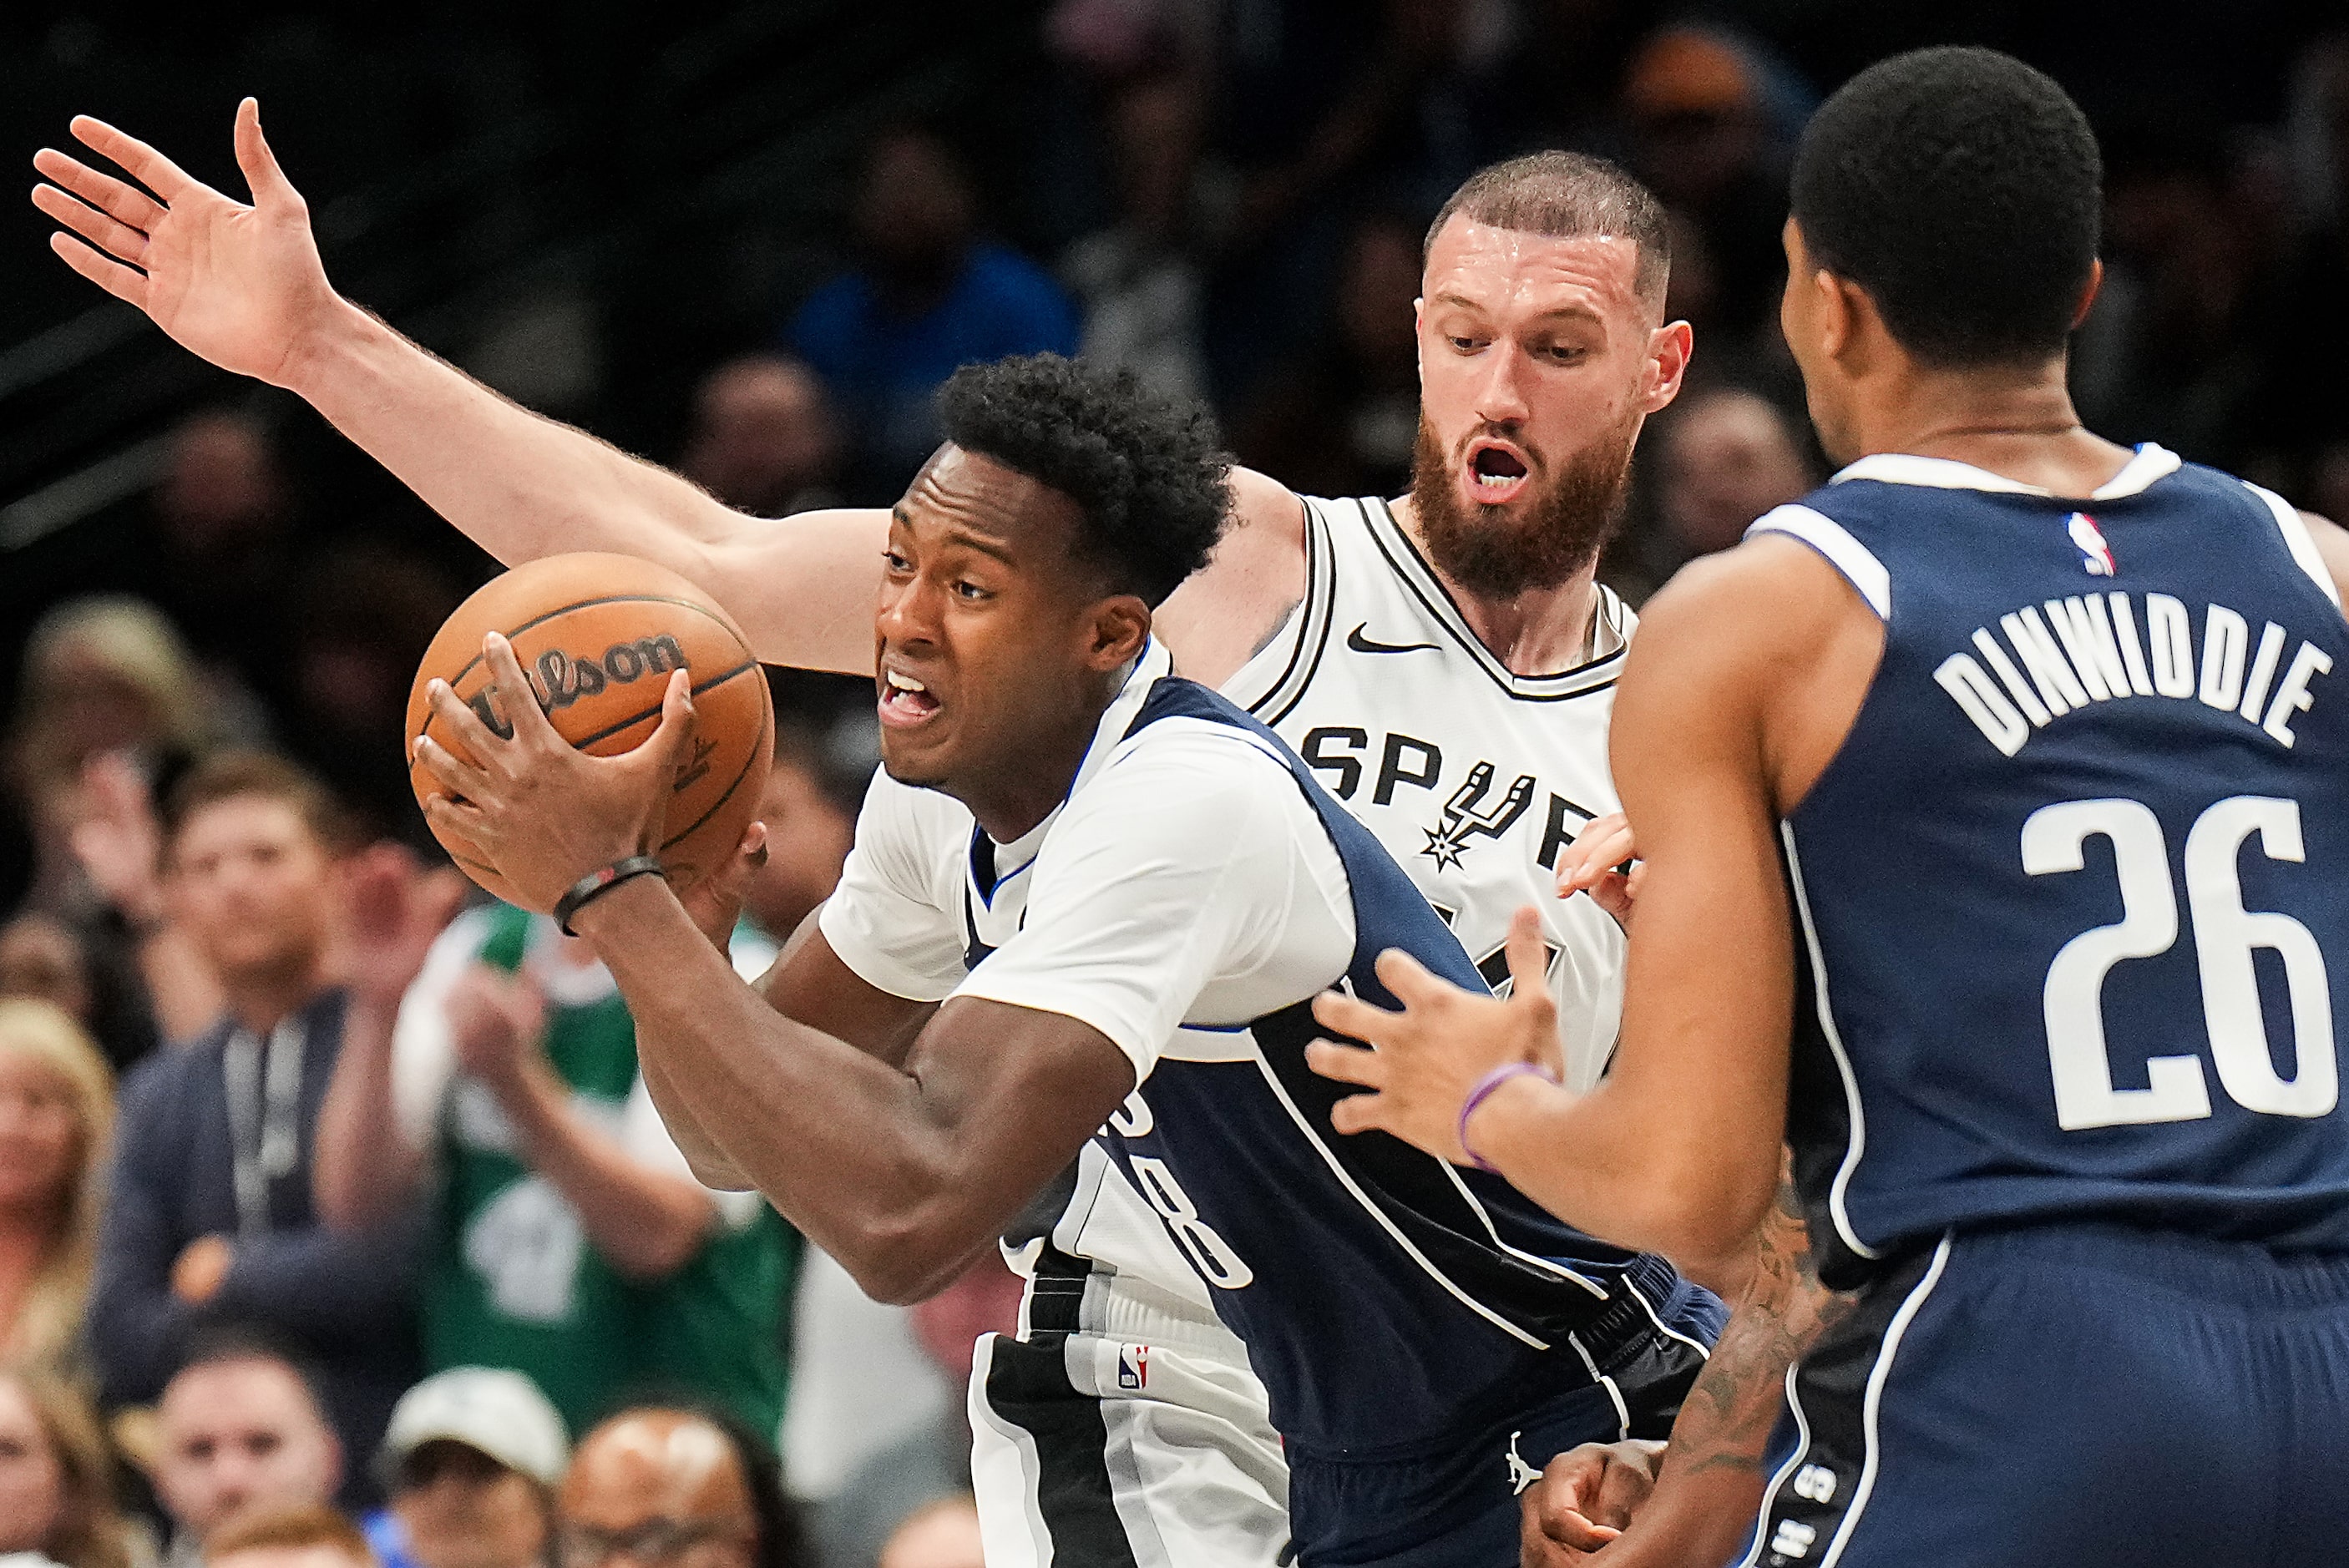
(495, 1066)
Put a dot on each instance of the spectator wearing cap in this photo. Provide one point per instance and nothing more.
(208, 1217)
(305, 1535)
(239, 1427)
(470, 1461)
(674, 1487)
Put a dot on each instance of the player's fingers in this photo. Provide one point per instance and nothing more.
(1612, 893)
(523, 716)
(117, 238)
(463, 726)
(1604, 843)
(1620, 1492)
(459, 778)
(462, 818)
(1359, 1113)
(147, 166)
(1528, 959)
(672, 743)
(1347, 1064)
(262, 169)
(126, 283)
(1344, 1015)
(117, 198)
(1414, 984)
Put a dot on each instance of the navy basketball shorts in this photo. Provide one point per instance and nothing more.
(1454, 1505)
(2072, 1395)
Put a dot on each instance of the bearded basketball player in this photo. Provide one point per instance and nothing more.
(1444, 663)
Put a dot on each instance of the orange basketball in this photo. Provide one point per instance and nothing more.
(597, 636)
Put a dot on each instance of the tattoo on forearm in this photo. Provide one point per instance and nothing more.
(1726, 1423)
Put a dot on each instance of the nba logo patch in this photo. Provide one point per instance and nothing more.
(1133, 1368)
(2091, 541)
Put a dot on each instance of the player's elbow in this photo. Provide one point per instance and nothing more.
(1702, 1216)
(901, 1263)
(909, 1249)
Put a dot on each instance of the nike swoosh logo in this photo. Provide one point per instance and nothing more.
(1362, 644)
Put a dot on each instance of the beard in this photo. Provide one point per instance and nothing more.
(1554, 531)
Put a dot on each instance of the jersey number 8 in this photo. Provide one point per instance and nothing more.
(2226, 934)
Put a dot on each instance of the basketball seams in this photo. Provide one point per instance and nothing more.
(702, 610)
(766, 746)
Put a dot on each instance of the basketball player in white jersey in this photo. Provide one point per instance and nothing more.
(1444, 662)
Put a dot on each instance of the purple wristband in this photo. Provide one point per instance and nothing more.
(1484, 1091)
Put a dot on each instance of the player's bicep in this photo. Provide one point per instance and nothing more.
(804, 587)
(1215, 623)
(1018, 1091)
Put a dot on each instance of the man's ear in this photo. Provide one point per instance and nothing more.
(2088, 295)
(1121, 624)
(1669, 347)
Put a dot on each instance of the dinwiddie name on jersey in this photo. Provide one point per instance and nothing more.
(2086, 649)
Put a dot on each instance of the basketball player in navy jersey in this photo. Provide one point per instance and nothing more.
(1445, 662)
(1088, 910)
(2012, 768)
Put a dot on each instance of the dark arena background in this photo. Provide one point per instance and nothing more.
(748, 238)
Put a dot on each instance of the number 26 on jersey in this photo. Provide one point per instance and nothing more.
(2226, 935)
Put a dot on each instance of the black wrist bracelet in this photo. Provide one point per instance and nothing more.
(595, 883)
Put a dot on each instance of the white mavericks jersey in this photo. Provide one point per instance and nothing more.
(1473, 779)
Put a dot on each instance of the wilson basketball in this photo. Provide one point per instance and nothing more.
(598, 636)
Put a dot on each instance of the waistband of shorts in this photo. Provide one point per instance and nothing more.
(2249, 1274)
(1067, 1295)
(1641, 1303)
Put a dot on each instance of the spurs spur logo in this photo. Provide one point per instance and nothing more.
(1466, 816)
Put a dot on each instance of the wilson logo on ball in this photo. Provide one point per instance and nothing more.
(560, 679)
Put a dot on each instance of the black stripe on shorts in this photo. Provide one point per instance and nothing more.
(1028, 1384)
(1812, 1497)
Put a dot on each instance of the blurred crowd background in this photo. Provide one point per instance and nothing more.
(257, 1266)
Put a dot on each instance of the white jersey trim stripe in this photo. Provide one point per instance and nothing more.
(1549, 1266)
(1873, 1405)
(1402, 558)
(1346, 1179)
(2149, 462)
(1777, 1481)
(2296, 539)
(1307, 627)
(1847, 555)
(1856, 1137)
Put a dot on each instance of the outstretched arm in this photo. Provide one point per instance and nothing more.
(243, 286)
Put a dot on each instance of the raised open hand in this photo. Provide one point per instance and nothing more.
(394, 908)
(118, 840)
(1423, 1063)
(239, 285)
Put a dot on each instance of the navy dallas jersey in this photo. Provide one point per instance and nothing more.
(1424, 1338)
(2070, 903)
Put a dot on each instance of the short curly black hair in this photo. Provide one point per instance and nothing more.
(1963, 190)
(1144, 470)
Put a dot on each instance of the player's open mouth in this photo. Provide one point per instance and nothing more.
(904, 700)
(1495, 472)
